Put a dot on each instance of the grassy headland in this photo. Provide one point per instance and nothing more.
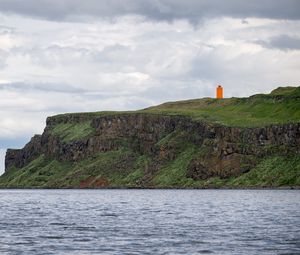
(127, 167)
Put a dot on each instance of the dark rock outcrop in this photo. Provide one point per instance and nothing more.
(20, 158)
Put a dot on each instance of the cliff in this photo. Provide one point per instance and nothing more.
(237, 142)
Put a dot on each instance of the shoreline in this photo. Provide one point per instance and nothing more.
(163, 188)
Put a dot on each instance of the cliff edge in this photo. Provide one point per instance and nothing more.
(236, 142)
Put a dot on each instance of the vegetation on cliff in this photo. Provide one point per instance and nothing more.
(202, 143)
(103, 170)
(280, 106)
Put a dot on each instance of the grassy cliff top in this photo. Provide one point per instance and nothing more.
(281, 106)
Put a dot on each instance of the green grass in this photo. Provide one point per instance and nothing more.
(86, 116)
(174, 174)
(72, 131)
(38, 173)
(112, 166)
(286, 91)
(118, 168)
(274, 171)
(133, 178)
(255, 111)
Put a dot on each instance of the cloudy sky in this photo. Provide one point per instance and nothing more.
(60, 56)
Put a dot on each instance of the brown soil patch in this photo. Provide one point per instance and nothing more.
(94, 182)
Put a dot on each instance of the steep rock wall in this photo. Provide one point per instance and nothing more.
(227, 150)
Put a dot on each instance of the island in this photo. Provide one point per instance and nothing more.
(249, 142)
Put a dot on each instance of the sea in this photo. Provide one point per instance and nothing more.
(148, 221)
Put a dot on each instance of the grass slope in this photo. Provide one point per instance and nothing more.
(103, 169)
(281, 106)
(117, 168)
(68, 132)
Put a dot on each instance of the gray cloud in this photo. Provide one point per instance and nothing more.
(154, 9)
(282, 42)
(61, 88)
(6, 30)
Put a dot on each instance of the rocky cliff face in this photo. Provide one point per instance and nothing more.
(21, 157)
(223, 151)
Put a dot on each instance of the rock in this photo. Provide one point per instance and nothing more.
(20, 158)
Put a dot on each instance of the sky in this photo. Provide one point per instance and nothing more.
(59, 56)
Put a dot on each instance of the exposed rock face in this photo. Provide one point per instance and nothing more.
(224, 151)
(20, 158)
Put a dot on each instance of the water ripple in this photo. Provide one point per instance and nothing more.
(131, 222)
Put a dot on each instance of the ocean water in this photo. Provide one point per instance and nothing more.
(149, 222)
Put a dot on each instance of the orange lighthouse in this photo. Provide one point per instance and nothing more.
(219, 91)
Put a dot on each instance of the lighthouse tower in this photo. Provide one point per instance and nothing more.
(219, 92)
